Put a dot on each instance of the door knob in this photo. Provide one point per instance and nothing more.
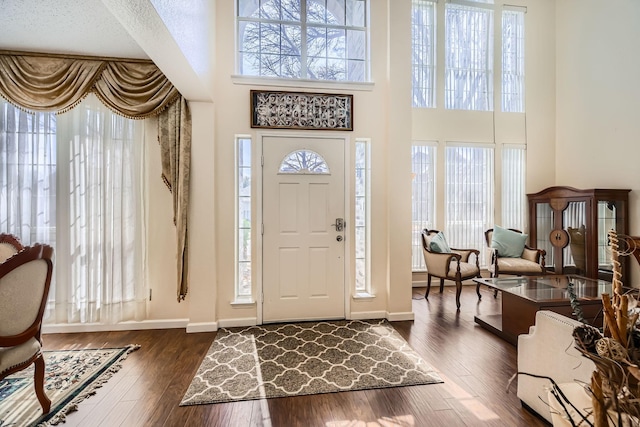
(339, 224)
(339, 238)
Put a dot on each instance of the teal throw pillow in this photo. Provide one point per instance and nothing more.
(439, 243)
(509, 244)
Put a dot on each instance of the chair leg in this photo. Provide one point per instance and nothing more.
(478, 291)
(495, 293)
(458, 291)
(426, 295)
(441, 285)
(38, 383)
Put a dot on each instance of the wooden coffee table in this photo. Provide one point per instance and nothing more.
(522, 297)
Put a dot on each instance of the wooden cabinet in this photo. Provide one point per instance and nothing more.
(572, 226)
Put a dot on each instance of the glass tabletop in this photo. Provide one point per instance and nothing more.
(549, 288)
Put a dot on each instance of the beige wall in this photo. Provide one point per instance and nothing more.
(598, 58)
(578, 96)
(598, 98)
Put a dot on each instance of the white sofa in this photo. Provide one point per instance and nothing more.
(548, 350)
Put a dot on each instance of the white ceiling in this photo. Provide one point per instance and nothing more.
(80, 27)
(175, 35)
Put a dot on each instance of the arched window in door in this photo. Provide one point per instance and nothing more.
(305, 162)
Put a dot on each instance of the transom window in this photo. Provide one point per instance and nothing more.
(303, 39)
(469, 45)
(304, 162)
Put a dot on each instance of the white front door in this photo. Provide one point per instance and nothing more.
(303, 253)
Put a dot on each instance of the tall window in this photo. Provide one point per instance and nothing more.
(469, 171)
(469, 57)
(28, 174)
(73, 181)
(513, 61)
(469, 46)
(303, 39)
(243, 217)
(423, 197)
(423, 52)
(513, 186)
(362, 216)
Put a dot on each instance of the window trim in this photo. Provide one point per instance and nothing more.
(269, 81)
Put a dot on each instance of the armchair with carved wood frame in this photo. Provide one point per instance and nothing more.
(9, 246)
(452, 265)
(24, 286)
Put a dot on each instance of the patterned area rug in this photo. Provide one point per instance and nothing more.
(70, 377)
(305, 358)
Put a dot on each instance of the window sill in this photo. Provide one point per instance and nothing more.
(363, 296)
(243, 302)
(301, 83)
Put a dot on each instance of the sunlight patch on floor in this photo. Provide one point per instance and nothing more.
(472, 404)
(264, 406)
(399, 421)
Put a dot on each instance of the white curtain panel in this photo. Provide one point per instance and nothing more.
(469, 195)
(80, 187)
(514, 196)
(27, 174)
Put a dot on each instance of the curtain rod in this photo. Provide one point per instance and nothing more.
(84, 57)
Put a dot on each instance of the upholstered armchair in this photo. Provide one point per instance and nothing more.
(24, 286)
(9, 246)
(510, 254)
(447, 263)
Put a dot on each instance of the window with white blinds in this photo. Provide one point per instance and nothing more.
(423, 43)
(469, 57)
(513, 61)
(243, 217)
(513, 186)
(362, 216)
(423, 197)
(469, 183)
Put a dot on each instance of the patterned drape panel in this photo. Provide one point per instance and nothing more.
(174, 136)
(133, 89)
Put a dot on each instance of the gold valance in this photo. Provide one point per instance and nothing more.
(133, 89)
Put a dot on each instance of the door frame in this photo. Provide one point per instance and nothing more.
(349, 262)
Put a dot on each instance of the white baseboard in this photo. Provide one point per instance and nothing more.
(193, 328)
(234, 323)
(63, 328)
(366, 315)
(392, 317)
(396, 317)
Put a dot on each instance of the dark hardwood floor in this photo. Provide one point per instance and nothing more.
(474, 364)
